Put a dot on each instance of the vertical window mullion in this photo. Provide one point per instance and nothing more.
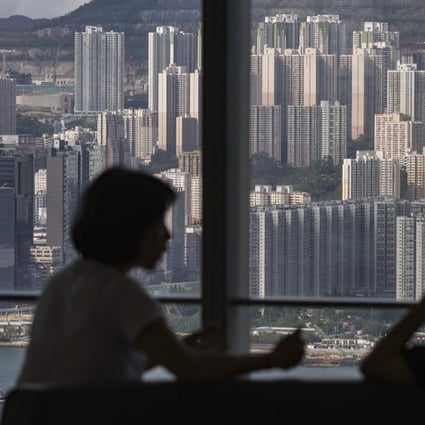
(226, 46)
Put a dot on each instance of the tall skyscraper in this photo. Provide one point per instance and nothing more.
(99, 70)
(7, 105)
(320, 77)
(415, 176)
(63, 191)
(406, 92)
(17, 174)
(173, 101)
(280, 31)
(168, 46)
(360, 176)
(377, 35)
(325, 33)
(368, 90)
(266, 131)
(410, 265)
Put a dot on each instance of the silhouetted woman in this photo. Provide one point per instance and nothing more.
(95, 323)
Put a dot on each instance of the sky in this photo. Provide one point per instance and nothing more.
(38, 8)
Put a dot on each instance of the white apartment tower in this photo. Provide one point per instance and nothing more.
(360, 176)
(410, 263)
(369, 175)
(169, 46)
(99, 70)
(406, 92)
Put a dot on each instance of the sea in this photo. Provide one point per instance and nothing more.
(11, 359)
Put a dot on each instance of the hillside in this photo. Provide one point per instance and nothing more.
(36, 40)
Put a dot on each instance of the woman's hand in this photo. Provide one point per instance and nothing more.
(288, 351)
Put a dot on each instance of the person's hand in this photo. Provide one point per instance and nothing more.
(195, 339)
(288, 351)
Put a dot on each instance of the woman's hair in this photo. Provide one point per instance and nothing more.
(113, 212)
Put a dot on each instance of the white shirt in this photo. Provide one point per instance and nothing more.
(85, 326)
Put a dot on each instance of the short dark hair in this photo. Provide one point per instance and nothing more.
(113, 212)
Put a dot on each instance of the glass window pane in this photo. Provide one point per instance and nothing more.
(120, 94)
(337, 339)
(336, 207)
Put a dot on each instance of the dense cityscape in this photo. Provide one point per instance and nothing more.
(316, 89)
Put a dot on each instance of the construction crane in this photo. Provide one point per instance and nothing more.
(4, 52)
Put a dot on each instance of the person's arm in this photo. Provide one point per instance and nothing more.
(189, 365)
(385, 361)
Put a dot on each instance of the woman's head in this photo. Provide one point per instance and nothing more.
(116, 211)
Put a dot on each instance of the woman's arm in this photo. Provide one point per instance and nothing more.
(385, 361)
(190, 365)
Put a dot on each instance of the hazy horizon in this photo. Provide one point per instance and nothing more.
(38, 9)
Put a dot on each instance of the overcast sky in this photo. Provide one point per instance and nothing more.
(38, 8)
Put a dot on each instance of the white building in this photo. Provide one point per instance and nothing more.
(99, 70)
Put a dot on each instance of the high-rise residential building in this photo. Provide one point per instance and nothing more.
(266, 131)
(368, 90)
(396, 134)
(323, 32)
(344, 86)
(377, 35)
(347, 248)
(360, 176)
(280, 31)
(385, 224)
(369, 176)
(168, 46)
(406, 92)
(110, 133)
(415, 176)
(173, 101)
(271, 77)
(99, 70)
(317, 249)
(315, 133)
(7, 105)
(141, 132)
(410, 263)
(320, 77)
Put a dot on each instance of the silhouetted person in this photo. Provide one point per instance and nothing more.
(390, 361)
(95, 323)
